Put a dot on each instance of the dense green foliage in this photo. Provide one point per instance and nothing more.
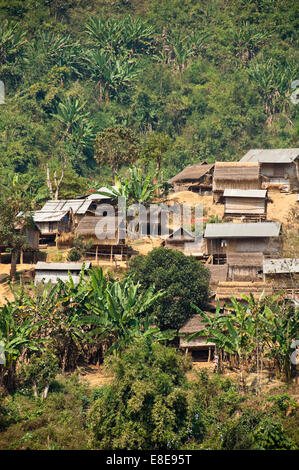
(253, 331)
(183, 279)
(192, 79)
(148, 405)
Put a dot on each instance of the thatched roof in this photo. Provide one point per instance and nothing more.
(245, 259)
(192, 172)
(234, 175)
(218, 272)
(194, 324)
(226, 290)
(103, 230)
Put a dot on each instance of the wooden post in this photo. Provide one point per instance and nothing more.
(97, 253)
(209, 358)
(22, 257)
(111, 251)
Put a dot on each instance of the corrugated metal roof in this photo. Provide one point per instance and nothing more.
(243, 230)
(49, 216)
(41, 266)
(281, 266)
(78, 206)
(247, 193)
(271, 155)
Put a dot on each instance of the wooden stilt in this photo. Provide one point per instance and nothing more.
(22, 257)
(97, 253)
(209, 358)
(111, 252)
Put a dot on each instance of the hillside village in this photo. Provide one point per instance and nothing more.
(247, 209)
(149, 228)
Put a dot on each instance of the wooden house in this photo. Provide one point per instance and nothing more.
(248, 204)
(52, 223)
(196, 178)
(107, 243)
(53, 271)
(279, 167)
(245, 266)
(199, 346)
(235, 175)
(282, 272)
(238, 238)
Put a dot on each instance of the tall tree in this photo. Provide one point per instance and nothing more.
(116, 146)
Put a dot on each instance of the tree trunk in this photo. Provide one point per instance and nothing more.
(13, 266)
(45, 392)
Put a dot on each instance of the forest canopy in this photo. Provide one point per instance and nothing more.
(213, 77)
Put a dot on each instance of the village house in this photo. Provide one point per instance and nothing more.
(279, 167)
(179, 240)
(282, 272)
(248, 204)
(107, 243)
(30, 250)
(52, 223)
(199, 347)
(235, 175)
(196, 178)
(51, 272)
(238, 238)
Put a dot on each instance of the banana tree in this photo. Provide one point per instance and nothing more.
(17, 335)
(136, 188)
(119, 314)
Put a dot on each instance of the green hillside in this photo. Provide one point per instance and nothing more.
(200, 79)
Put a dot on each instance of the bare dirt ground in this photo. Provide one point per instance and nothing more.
(97, 376)
(188, 197)
(279, 209)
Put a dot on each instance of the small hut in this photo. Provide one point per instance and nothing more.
(248, 204)
(279, 167)
(200, 348)
(196, 178)
(106, 241)
(245, 266)
(53, 271)
(179, 239)
(235, 175)
(52, 223)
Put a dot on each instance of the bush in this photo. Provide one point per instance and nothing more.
(184, 279)
(146, 406)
